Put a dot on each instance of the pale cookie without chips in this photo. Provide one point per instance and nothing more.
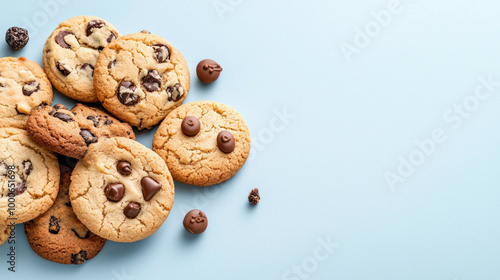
(203, 143)
(121, 190)
(29, 177)
(70, 54)
(57, 235)
(23, 86)
(140, 78)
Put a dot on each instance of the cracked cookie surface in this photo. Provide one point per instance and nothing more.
(140, 78)
(28, 173)
(70, 54)
(58, 235)
(23, 86)
(121, 190)
(199, 159)
(70, 132)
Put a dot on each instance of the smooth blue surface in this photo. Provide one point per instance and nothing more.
(322, 173)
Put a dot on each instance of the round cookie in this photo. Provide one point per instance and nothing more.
(23, 86)
(70, 54)
(121, 190)
(205, 158)
(140, 78)
(57, 235)
(4, 233)
(29, 177)
(70, 132)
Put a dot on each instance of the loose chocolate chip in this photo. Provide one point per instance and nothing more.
(162, 52)
(126, 93)
(208, 71)
(111, 37)
(27, 167)
(63, 117)
(17, 38)
(89, 68)
(254, 196)
(149, 188)
(93, 24)
(4, 169)
(65, 69)
(20, 188)
(94, 119)
(195, 221)
(30, 87)
(124, 168)
(190, 126)
(132, 210)
(112, 64)
(60, 38)
(54, 225)
(87, 234)
(152, 81)
(88, 136)
(79, 258)
(225, 141)
(174, 93)
(114, 192)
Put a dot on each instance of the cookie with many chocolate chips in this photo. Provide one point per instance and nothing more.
(70, 132)
(121, 190)
(70, 54)
(58, 235)
(29, 177)
(140, 78)
(204, 143)
(23, 86)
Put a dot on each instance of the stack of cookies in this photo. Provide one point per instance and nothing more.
(118, 190)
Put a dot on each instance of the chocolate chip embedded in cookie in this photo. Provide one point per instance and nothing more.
(23, 86)
(203, 143)
(121, 190)
(58, 235)
(29, 177)
(70, 54)
(140, 78)
(70, 132)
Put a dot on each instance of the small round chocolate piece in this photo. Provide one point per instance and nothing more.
(208, 71)
(132, 210)
(195, 221)
(124, 168)
(114, 192)
(190, 126)
(225, 141)
(17, 38)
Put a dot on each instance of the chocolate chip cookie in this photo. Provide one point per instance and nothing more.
(140, 78)
(4, 233)
(70, 54)
(29, 177)
(58, 235)
(70, 132)
(204, 143)
(121, 190)
(23, 86)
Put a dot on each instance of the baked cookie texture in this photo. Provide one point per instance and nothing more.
(121, 190)
(29, 173)
(70, 132)
(57, 235)
(197, 160)
(140, 78)
(4, 233)
(23, 86)
(70, 54)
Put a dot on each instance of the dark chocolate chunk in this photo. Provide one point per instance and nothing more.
(89, 68)
(31, 87)
(54, 225)
(27, 167)
(114, 192)
(88, 136)
(226, 142)
(174, 93)
(149, 188)
(65, 69)
(126, 93)
(20, 188)
(87, 234)
(63, 116)
(94, 119)
(190, 126)
(17, 38)
(79, 258)
(93, 24)
(152, 81)
(4, 169)
(132, 210)
(254, 196)
(112, 64)
(111, 37)
(60, 38)
(162, 52)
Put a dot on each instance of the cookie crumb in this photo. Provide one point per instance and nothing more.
(254, 196)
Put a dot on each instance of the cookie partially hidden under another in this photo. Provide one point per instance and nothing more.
(4, 233)
(70, 132)
(58, 235)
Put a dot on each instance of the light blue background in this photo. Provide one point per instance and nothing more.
(322, 172)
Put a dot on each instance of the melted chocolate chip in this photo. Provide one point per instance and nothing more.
(94, 24)
(108, 121)
(124, 168)
(190, 126)
(20, 188)
(87, 234)
(162, 53)
(60, 106)
(126, 93)
(4, 169)
(174, 93)
(111, 37)
(63, 117)
(132, 210)
(226, 142)
(31, 87)
(112, 64)
(79, 258)
(27, 167)
(152, 81)
(114, 192)
(88, 136)
(149, 188)
(88, 67)
(94, 119)
(60, 38)
(65, 69)
(54, 225)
